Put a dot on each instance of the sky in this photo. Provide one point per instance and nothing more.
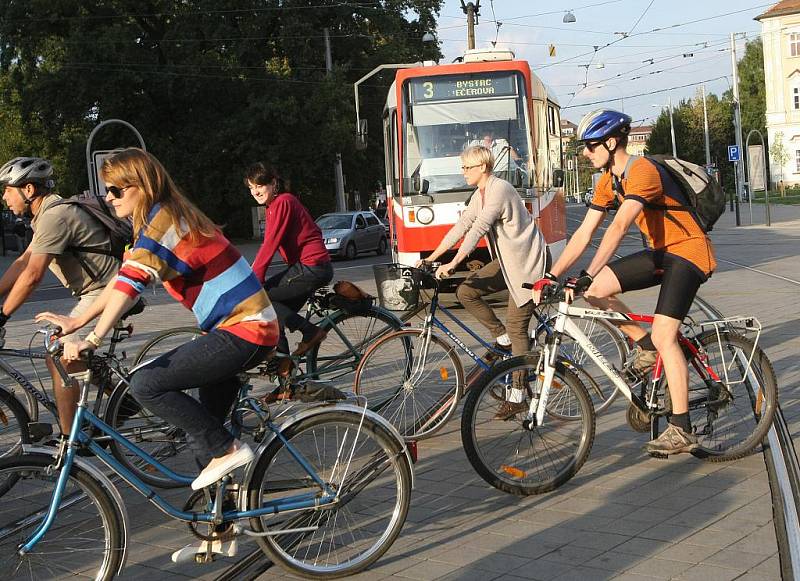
(613, 52)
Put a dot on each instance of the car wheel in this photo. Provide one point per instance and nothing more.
(350, 252)
(381, 247)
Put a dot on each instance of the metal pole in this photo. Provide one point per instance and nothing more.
(472, 11)
(341, 204)
(671, 127)
(737, 123)
(705, 127)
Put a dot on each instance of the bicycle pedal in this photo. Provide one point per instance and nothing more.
(39, 430)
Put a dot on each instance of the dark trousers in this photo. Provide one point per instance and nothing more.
(290, 289)
(210, 364)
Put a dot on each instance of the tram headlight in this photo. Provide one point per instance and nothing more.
(425, 215)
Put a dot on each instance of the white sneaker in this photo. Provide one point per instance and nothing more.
(187, 553)
(241, 457)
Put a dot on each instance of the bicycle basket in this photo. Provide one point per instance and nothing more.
(398, 286)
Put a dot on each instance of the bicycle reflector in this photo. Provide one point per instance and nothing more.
(513, 471)
(412, 450)
(443, 373)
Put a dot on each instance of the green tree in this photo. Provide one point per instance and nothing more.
(779, 155)
(212, 86)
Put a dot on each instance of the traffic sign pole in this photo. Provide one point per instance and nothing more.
(737, 123)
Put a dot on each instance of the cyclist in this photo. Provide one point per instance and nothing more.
(679, 256)
(291, 230)
(517, 248)
(28, 191)
(176, 243)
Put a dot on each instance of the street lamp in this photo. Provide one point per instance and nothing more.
(671, 125)
(569, 17)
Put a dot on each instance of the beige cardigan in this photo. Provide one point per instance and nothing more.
(512, 234)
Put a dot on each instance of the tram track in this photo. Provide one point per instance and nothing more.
(780, 455)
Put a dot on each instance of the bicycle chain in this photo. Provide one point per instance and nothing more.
(198, 502)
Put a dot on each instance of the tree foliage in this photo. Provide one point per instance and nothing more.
(211, 85)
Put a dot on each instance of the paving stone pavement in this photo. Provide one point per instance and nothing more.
(624, 516)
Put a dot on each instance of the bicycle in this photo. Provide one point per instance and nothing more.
(326, 496)
(732, 385)
(20, 408)
(419, 392)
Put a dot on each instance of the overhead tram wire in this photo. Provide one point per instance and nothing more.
(655, 92)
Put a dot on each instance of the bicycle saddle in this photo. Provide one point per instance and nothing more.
(135, 309)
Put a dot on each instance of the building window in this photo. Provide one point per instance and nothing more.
(796, 97)
(797, 160)
(794, 43)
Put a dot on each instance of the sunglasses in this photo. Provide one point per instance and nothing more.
(592, 145)
(117, 192)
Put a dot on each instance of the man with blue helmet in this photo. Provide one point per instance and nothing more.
(678, 256)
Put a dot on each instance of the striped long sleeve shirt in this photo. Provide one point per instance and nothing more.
(211, 279)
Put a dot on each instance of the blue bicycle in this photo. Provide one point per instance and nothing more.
(326, 496)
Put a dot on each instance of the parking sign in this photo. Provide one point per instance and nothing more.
(734, 154)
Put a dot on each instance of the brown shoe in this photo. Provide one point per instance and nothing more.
(641, 360)
(509, 409)
(313, 340)
(673, 440)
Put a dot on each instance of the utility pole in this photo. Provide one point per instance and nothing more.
(341, 203)
(705, 127)
(737, 124)
(472, 11)
(671, 127)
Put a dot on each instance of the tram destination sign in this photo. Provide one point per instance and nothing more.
(452, 87)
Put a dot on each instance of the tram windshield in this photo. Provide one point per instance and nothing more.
(447, 114)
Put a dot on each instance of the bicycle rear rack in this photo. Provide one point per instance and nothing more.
(742, 326)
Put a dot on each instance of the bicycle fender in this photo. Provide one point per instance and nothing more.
(106, 483)
(303, 414)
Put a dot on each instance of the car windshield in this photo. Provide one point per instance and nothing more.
(335, 222)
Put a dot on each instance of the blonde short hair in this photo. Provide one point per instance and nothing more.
(477, 155)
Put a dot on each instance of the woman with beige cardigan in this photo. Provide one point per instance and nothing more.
(519, 252)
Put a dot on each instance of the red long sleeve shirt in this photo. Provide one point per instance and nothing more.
(290, 230)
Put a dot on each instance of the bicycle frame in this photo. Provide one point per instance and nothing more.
(565, 325)
(78, 437)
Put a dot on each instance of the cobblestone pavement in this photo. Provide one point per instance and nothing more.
(624, 516)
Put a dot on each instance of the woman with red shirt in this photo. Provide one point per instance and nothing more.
(290, 230)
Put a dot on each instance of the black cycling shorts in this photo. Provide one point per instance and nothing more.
(679, 279)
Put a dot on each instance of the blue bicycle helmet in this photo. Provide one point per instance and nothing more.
(602, 124)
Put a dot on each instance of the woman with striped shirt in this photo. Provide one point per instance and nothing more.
(180, 246)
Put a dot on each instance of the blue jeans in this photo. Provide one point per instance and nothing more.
(209, 363)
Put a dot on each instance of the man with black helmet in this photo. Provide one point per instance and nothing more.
(27, 185)
(678, 256)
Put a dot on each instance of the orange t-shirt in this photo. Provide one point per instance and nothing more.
(674, 232)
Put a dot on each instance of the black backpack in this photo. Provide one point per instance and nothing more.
(120, 231)
(703, 196)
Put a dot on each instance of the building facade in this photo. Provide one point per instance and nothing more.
(637, 139)
(568, 129)
(780, 34)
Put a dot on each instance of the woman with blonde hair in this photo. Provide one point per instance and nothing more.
(174, 242)
(518, 250)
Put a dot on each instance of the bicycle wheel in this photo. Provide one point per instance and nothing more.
(86, 539)
(156, 436)
(13, 424)
(610, 342)
(349, 335)
(166, 341)
(359, 459)
(731, 417)
(415, 386)
(28, 400)
(517, 459)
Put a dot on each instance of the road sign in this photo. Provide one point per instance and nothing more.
(734, 153)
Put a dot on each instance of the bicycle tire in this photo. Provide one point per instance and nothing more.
(333, 360)
(732, 417)
(407, 395)
(14, 421)
(516, 470)
(156, 436)
(166, 341)
(610, 342)
(30, 402)
(82, 493)
(378, 468)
